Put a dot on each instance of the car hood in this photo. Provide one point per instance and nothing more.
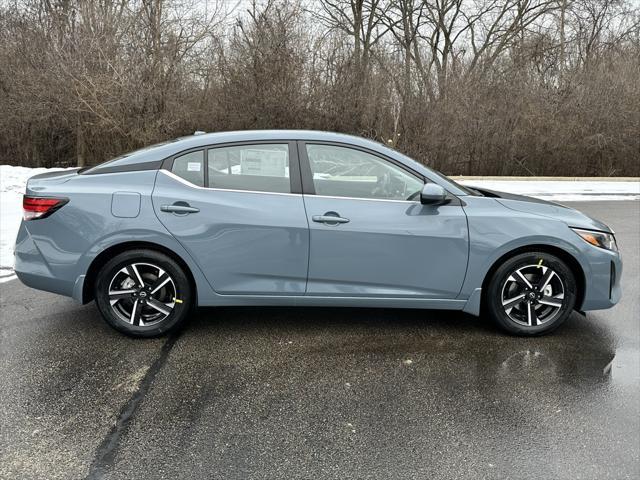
(522, 203)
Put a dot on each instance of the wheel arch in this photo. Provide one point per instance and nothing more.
(103, 257)
(568, 258)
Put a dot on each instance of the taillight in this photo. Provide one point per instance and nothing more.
(40, 207)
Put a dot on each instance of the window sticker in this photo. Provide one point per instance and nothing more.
(194, 166)
(266, 163)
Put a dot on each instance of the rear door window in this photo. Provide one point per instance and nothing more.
(258, 167)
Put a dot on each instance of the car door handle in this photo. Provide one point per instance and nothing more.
(181, 207)
(330, 218)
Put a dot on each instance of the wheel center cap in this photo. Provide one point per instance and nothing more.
(143, 294)
(532, 295)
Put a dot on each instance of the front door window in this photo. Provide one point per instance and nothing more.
(347, 172)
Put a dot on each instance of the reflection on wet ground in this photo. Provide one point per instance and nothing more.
(391, 394)
(624, 369)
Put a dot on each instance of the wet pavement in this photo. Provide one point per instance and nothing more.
(323, 393)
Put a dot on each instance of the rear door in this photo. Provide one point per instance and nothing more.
(370, 236)
(238, 210)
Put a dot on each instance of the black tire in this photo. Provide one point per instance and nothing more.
(527, 317)
(162, 314)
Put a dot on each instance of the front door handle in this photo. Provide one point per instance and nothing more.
(181, 208)
(330, 218)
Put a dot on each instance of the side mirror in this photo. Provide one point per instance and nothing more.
(433, 194)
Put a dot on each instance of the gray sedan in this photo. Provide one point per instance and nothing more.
(304, 218)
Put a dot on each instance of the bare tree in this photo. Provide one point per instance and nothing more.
(467, 86)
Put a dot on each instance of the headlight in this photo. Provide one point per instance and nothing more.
(598, 239)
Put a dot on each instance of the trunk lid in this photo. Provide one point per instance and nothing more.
(40, 182)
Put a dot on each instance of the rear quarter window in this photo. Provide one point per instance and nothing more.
(190, 167)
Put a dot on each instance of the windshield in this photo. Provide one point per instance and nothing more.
(467, 190)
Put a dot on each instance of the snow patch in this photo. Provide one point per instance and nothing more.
(563, 190)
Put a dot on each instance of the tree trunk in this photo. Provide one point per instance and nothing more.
(81, 160)
(563, 9)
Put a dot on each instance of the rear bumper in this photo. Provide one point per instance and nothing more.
(42, 282)
(33, 270)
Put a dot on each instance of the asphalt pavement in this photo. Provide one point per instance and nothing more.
(275, 393)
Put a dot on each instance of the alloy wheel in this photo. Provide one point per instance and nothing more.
(142, 294)
(533, 295)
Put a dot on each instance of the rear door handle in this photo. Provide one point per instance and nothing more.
(330, 218)
(180, 208)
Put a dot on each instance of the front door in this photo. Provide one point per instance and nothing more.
(370, 236)
(233, 209)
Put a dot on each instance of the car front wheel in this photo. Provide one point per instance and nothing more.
(143, 293)
(531, 294)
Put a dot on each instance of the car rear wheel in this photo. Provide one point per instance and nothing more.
(531, 294)
(143, 293)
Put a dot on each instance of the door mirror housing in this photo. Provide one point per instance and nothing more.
(433, 194)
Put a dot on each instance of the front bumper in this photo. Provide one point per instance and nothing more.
(602, 289)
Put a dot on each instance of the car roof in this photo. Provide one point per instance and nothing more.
(250, 135)
(172, 147)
